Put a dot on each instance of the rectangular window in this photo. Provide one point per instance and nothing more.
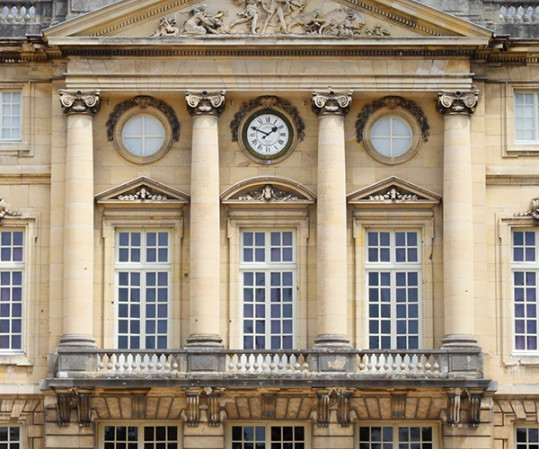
(393, 281)
(143, 271)
(527, 117)
(11, 290)
(268, 289)
(11, 116)
(527, 438)
(140, 437)
(525, 271)
(267, 436)
(397, 437)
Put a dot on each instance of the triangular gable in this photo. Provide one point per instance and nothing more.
(393, 190)
(173, 21)
(268, 190)
(142, 191)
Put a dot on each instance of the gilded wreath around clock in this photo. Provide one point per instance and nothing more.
(268, 135)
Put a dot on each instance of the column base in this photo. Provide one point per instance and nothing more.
(77, 340)
(459, 340)
(204, 340)
(332, 340)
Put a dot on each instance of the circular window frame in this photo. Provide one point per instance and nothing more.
(406, 117)
(128, 115)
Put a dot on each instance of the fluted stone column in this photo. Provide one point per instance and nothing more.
(331, 218)
(80, 108)
(458, 238)
(205, 109)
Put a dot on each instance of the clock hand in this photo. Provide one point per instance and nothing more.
(260, 131)
(272, 131)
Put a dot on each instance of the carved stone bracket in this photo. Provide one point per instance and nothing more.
(69, 400)
(138, 406)
(214, 406)
(398, 405)
(343, 408)
(267, 101)
(79, 102)
(331, 103)
(143, 101)
(474, 407)
(322, 415)
(453, 406)
(532, 212)
(4, 211)
(193, 406)
(392, 102)
(457, 102)
(269, 405)
(203, 102)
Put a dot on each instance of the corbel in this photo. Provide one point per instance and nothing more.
(474, 406)
(193, 406)
(398, 405)
(214, 405)
(73, 399)
(323, 408)
(138, 406)
(343, 407)
(64, 403)
(453, 406)
(269, 405)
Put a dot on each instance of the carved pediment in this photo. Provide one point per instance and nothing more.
(142, 190)
(268, 190)
(393, 190)
(173, 20)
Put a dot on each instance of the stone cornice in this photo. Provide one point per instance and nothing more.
(457, 102)
(79, 102)
(331, 102)
(205, 103)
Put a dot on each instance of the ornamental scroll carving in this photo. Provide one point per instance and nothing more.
(4, 211)
(392, 102)
(269, 17)
(79, 102)
(199, 103)
(143, 102)
(457, 102)
(143, 193)
(269, 193)
(267, 101)
(331, 102)
(393, 194)
(533, 211)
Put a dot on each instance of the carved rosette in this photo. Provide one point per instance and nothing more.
(457, 102)
(331, 103)
(79, 102)
(205, 103)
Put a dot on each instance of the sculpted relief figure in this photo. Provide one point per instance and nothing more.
(266, 17)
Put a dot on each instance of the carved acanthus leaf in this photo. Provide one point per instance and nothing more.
(392, 102)
(269, 193)
(143, 101)
(267, 101)
(142, 193)
(393, 194)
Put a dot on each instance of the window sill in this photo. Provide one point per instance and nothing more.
(516, 359)
(15, 359)
(523, 149)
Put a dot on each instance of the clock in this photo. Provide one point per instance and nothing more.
(267, 135)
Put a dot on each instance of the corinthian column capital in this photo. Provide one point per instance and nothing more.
(202, 102)
(79, 102)
(331, 102)
(457, 102)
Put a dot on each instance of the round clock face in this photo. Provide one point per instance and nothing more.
(267, 134)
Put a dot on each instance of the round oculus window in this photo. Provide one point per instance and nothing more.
(391, 136)
(143, 135)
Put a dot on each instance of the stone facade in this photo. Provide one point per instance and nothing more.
(386, 153)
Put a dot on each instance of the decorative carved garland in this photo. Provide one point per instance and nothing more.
(143, 101)
(392, 102)
(267, 101)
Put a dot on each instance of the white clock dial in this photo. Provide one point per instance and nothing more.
(267, 134)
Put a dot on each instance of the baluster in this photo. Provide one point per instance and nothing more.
(10, 15)
(535, 14)
(517, 17)
(501, 14)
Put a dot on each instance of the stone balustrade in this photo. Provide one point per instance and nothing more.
(519, 13)
(20, 14)
(88, 365)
